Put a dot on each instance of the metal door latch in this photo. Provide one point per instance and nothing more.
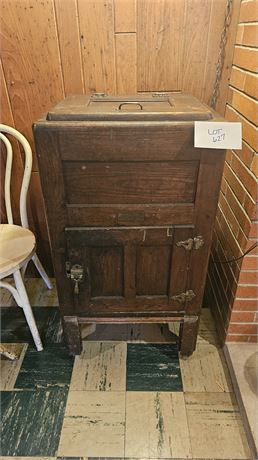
(75, 273)
(192, 243)
(184, 296)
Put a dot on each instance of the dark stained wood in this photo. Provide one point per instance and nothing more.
(188, 335)
(180, 261)
(130, 183)
(129, 270)
(107, 266)
(172, 316)
(135, 215)
(72, 334)
(97, 141)
(54, 195)
(120, 196)
(209, 180)
(153, 268)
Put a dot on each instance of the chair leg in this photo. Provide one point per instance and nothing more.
(41, 271)
(25, 304)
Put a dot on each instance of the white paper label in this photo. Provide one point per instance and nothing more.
(217, 135)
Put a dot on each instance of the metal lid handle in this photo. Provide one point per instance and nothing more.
(135, 103)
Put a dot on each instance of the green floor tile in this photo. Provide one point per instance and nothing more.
(14, 327)
(153, 367)
(32, 421)
(51, 367)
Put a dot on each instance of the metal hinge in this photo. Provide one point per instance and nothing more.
(184, 296)
(75, 273)
(192, 243)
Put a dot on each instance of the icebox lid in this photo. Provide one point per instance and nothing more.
(139, 107)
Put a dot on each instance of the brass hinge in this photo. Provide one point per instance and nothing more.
(192, 243)
(75, 273)
(184, 296)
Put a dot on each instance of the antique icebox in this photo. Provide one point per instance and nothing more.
(130, 205)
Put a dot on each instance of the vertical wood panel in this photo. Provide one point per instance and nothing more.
(6, 117)
(125, 15)
(126, 63)
(96, 20)
(30, 58)
(159, 43)
(196, 30)
(70, 49)
(229, 51)
(215, 30)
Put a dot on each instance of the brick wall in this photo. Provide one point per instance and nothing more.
(232, 288)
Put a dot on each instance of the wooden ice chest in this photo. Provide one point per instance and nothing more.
(130, 205)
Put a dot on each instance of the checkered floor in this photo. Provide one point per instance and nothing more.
(128, 395)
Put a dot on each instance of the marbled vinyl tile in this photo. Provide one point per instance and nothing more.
(158, 333)
(28, 458)
(101, 366)
(156, 426)
(9, 370)
(215, 418)
(49, 367)
(94, 424)
(38, 293)
(15, 329)
(205, 370)
(153, 367)
(31, 421)
(207, 333)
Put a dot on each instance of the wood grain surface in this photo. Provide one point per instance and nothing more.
(53, 48)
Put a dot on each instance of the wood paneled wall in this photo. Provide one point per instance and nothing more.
(51, 48)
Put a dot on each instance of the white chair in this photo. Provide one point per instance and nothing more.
(17, 243)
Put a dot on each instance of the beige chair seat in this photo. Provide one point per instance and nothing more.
(17, 246)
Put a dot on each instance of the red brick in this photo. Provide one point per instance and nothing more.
(231, 218)
(254, 230)
(244, 175)
(229, 156)
(254, 250)
(242, 338)
(254, 165)
(247, 291)
(244, 81)
(237, 78)
(246, 155)
(230, 247)
(250, 263)
(245, 105)
(251, 84)
(238, 210)
(250, 206)
(245, 305)
(250, 277)
(249, 131)
(243, 316)
(223, 186)
(247, 35)
(247, 328)
(246, 58)
(249, 11)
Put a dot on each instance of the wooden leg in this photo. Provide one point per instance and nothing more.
(87, 329)
(73, 335)
(188, 335)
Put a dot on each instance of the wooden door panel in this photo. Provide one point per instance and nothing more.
(135, 270)
(152, 270)
(106, 269)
